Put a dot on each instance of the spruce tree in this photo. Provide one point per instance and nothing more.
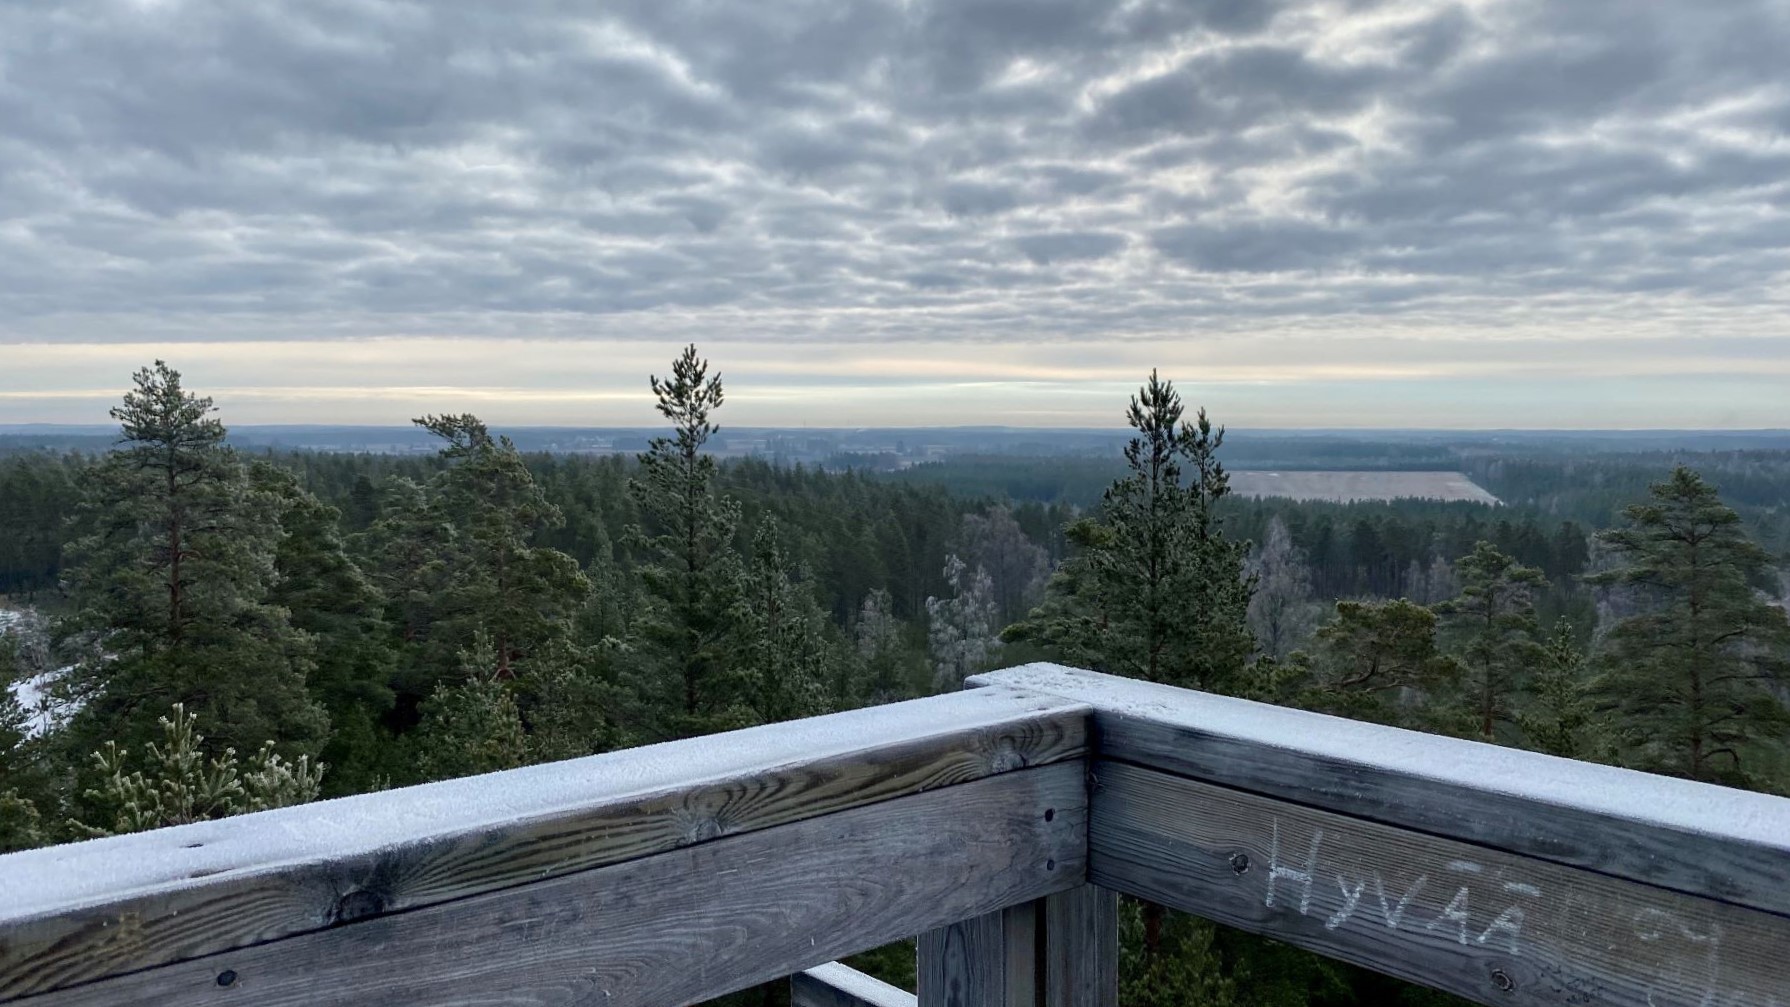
(692, 571)
(1698, 675)
(1561, 716)
(881, 652)
(782, 645)
(171, 586)
(1492, 629)
(409, 551)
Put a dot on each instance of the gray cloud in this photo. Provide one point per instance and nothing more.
(875, 169)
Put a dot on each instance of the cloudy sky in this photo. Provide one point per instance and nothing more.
(1308, 212)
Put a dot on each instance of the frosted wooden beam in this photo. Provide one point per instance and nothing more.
(1489, 925)
(836, 985)
(73, 914)
(1693, 838)
(673, 928)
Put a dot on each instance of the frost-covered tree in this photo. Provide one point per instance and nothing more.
(1281, 613)
(961, 632)
(471, 724)
(20, 823)
(1016, 566)
(880, 648)
(692, 571)
(178, 783)
(171, 583)
(569, 701)
(1698, 672)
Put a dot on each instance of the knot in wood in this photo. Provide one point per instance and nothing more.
(694, 826)
(1005, 757)
(1503, 981)
(357, 904)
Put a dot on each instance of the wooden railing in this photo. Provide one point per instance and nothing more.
(997, 824)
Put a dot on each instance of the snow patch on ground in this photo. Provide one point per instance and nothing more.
(34, 693)
(45, 713)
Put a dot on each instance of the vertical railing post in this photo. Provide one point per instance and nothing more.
(1060, 951)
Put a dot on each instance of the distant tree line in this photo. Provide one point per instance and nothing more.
(197, 632)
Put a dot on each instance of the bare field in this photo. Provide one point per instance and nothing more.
(1342, 487)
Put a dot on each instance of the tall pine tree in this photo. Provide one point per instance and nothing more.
(692, 571)
(172, 583)
(1155, 591)
(1492, 628)
(1698, 675)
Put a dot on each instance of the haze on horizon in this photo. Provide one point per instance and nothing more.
(1309, 213)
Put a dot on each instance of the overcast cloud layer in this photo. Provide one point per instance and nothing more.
(1402, 212)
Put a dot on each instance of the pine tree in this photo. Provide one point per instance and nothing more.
(1371, 657)
(521, 596)
(1561, 718)
(180, 784)
(1493, 631)
(328, 597)
(171, 584)
(1698, 674)
(692, 573)
(1155, 591)
(471, 724)
(782, 642)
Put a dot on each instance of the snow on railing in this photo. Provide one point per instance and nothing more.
(997, 823)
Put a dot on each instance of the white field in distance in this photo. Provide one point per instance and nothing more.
(1343, 487)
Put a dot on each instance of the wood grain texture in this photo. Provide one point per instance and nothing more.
(986, 961)
(837, 985)
(1485, 924)
(220, 885)
(675, 928)
(1081, 948)
(1690, 837)
(1060, 951)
